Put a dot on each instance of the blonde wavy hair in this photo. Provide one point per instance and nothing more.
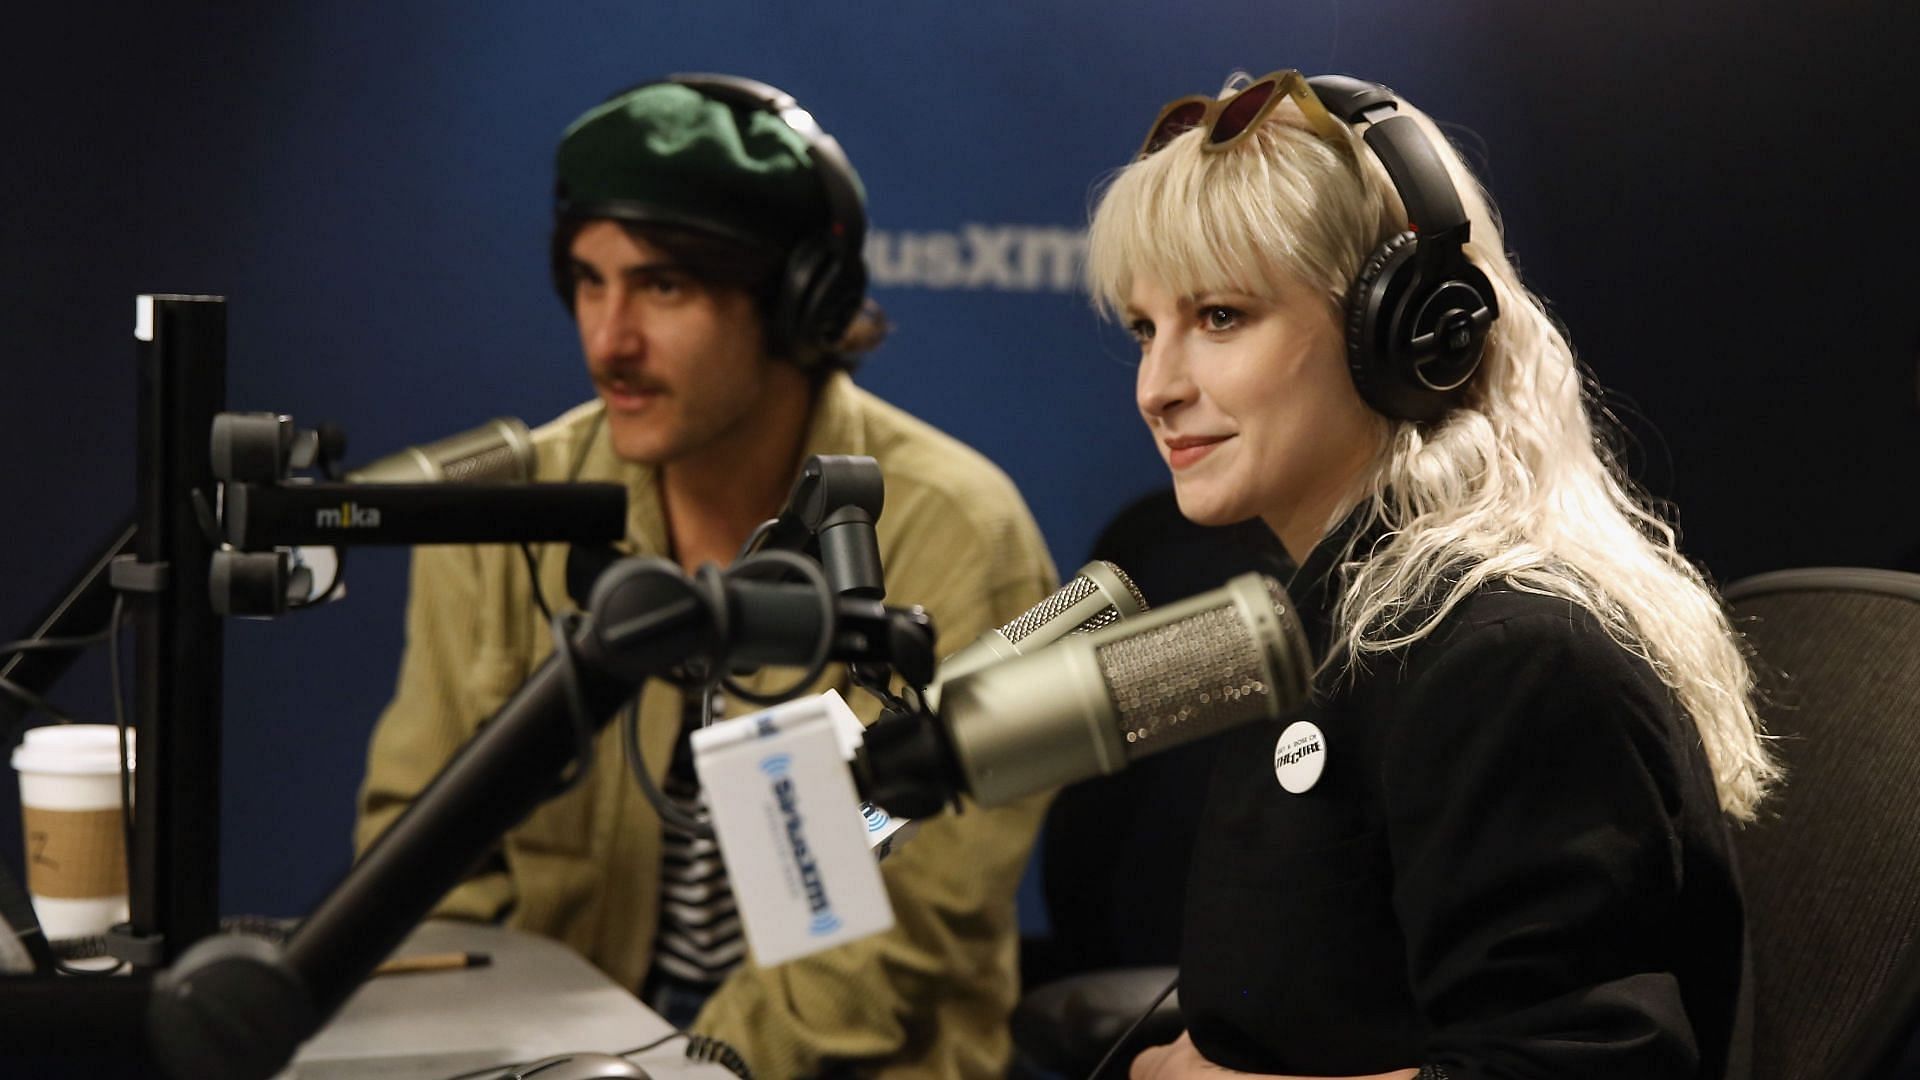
(1517, 484)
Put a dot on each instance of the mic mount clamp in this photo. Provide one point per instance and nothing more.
(830, 514)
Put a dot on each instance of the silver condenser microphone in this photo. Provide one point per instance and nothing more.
(1093, 703)
(497, 452)
(1099, 595)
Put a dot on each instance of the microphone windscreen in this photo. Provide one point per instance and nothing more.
(1225, 664)
(497, 452)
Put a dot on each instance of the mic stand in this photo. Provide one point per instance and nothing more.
(237, 1008)
(181, 346)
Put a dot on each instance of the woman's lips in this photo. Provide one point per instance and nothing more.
(1184, 452)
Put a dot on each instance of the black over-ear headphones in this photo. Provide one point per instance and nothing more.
(824, 281)
(1418, 312)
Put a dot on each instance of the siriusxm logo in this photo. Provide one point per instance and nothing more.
(1008, 258)
(347, 516)
(824, 921)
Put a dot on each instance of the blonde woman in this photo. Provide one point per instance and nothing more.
(1495, 845)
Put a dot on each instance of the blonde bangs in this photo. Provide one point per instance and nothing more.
(1248, 219)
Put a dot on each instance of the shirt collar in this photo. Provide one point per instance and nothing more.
(834, 428)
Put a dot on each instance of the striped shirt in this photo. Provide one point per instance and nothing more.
(699, 940)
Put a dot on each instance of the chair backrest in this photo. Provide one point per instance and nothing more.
(1832, 869)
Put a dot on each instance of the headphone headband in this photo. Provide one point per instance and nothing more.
(1418, 312)
(1418, 174)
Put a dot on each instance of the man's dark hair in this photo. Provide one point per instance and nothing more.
(725, 263)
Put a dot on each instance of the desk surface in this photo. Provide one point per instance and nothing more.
(537, 998)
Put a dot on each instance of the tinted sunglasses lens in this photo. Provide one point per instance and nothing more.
(1241, 111)
(1176, 122)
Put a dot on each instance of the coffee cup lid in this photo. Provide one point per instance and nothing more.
(79, 749)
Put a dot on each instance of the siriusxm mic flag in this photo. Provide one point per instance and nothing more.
(797, 852)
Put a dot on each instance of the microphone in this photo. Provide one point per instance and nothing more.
(1094, 703)
(1099, 595)
(472, 487)
(497, 452)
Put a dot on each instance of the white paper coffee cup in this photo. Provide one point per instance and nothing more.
(70, 811)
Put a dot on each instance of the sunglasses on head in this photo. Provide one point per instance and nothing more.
(1227, 120)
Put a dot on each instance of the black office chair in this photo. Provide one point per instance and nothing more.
(1832, 869)
(1113, 851)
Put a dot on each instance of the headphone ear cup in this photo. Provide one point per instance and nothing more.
(1447, 332)
(1414, 343)
(821, 294)
(784, 324)
(1382, 280)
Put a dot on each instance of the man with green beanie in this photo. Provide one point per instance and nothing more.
(707, 244)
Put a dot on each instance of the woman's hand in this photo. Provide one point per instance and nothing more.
(1178, 1060)
(1175, 1060)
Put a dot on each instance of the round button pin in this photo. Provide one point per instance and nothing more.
(1299, 757)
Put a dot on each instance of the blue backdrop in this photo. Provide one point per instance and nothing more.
(1711, 194)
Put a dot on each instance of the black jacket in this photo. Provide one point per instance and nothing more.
(1513, 866)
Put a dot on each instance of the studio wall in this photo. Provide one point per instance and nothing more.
(1710, 195)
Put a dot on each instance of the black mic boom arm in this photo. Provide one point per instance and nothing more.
(235, 1008)
(260, 517)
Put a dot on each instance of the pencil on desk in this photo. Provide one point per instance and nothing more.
(446, 961)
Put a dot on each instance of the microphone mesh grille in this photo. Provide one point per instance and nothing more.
(1184, 680)
(1065, 597)
(495, 464)
(1139, 598)
(1046, 610)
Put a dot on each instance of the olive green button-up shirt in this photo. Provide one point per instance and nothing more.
(930, 997)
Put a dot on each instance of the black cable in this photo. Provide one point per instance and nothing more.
(54, 644)
(1131, 1028)
(34, 702)
(758, 534)
(711, 582)
(710, 585)
(879, 689)
(629, 722)
(85, 947)
(661, 1041)
(88, 973)
(517, 1065)
(120, 724)
(823, 649)
(499, 1071)
(533, 576)
(709, 1049)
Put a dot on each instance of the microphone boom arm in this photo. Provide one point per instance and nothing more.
(236, 1008)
